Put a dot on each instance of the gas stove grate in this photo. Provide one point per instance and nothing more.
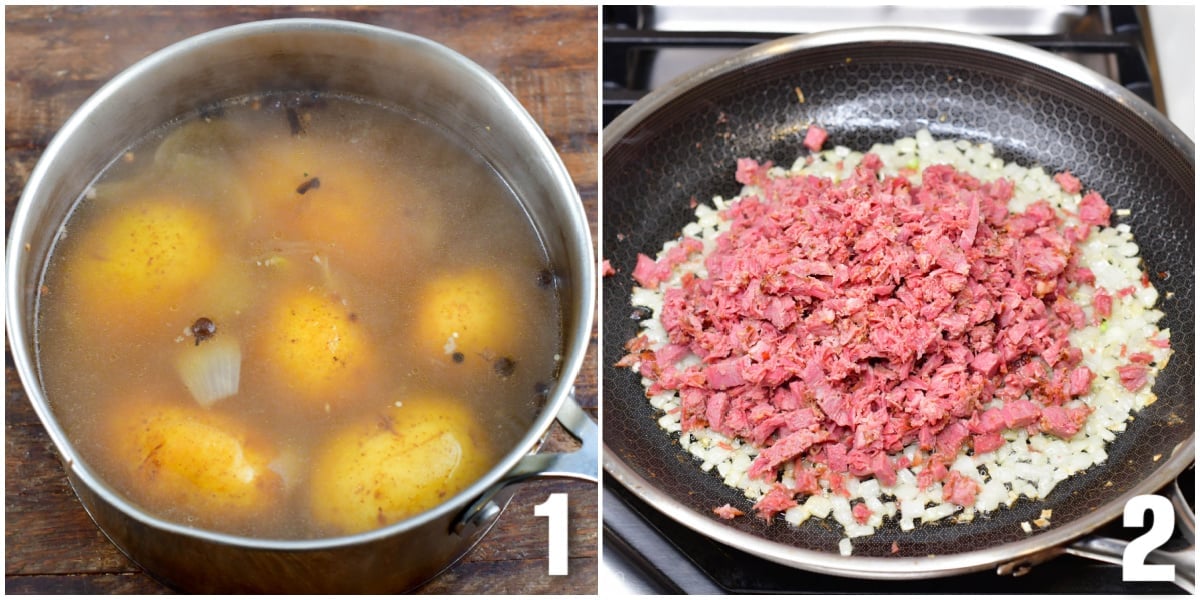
(629, 49)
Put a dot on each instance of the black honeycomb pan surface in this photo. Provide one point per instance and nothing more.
(877, 92)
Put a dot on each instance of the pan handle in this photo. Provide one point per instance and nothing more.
(580, 464)
(1110, 550)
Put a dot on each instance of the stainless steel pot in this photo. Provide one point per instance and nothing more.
(311, 54)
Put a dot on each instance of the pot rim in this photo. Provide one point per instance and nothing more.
(21, 340)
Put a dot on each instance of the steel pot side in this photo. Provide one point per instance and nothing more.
(304, 54)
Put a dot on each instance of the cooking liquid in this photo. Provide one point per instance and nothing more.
(359, 204)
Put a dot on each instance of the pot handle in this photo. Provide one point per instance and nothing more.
(580, 464)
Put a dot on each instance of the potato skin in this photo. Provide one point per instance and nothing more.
(150, 253)
(469, 312)
(322, 192)
(313, 346)
(405, 460)
(188, 460)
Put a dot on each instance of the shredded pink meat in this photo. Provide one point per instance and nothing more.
(1064, 421)
(649, 272)
(1102, 304)
(986, 442)
(1141, 358)
(1093, 210)
(815, 137)
(1133, 377)
(727, 512)
(779, 499)
(606, 269)
(959, 489)
(840, 322)
(862, 513)
(1069, 183)
(1079, 381)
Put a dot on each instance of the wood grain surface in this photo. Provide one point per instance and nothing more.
(58, 56)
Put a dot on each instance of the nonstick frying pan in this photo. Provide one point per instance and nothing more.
(876, 85)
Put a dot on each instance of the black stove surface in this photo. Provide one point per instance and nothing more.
(669, 558)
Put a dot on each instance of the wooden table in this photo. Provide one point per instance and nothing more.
(57, 57)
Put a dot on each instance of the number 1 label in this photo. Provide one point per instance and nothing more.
(555, 511)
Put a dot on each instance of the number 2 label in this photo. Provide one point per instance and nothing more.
(555, 511)
(1133, 567)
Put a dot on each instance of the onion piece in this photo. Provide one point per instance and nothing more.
(212, 369)
(289, 465)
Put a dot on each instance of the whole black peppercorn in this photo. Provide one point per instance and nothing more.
(504, 366)
(203, 329)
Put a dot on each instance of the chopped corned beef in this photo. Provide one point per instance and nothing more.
(935, 470)
(1079, 381)
(1019, 413)
(950, 439)
(779, 499)
(884, 469)
(986, 442)
(1102, 304)
(785, 450)
(815, 137)
(727, 512)
(646, 271)
(670, 354)
(1141, 358)
(1069, 183)
(837, 484)
(724, 375)
(862, 513)
(959, 489)
(750, 172)
(986, 363)
(649, 273)
(837, 323)
(806, 481)
(1093, 210)
(606, 269)
(1064, 421)
(1133, 377)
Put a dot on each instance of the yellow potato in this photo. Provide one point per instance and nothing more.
(314, 346)
(143, 259)
(472, 314)
(403, 461)
(188, 459)
(322, 192)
